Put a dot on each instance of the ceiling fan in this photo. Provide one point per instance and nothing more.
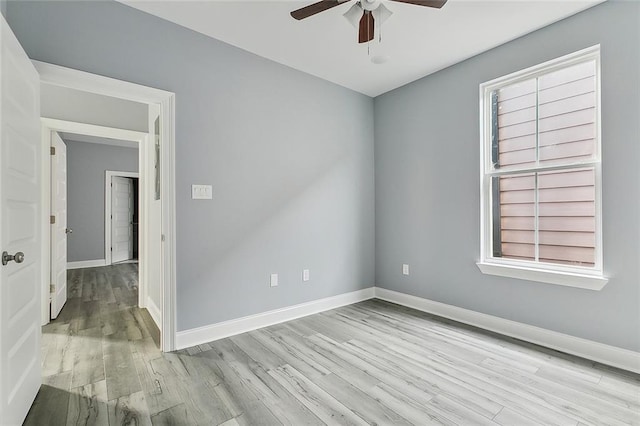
(362, 14)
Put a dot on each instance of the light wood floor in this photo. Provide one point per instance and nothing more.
(369, 363)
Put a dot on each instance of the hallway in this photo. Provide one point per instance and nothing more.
(89, 352)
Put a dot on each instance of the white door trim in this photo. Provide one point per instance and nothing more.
(50, 125)
(94, 130)
(107, 217)
(67, 77)
(45, 253)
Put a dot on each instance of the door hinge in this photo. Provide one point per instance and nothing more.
(53, 150)
(111, 248)
(52, 288)
(52, 219)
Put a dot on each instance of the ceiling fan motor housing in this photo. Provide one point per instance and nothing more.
(370, 4)
(363, 14)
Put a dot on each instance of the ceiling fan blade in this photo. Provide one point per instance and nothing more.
(365, 32)
(428, 3)
(314, 8)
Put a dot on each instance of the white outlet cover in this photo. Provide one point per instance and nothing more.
(274, 280)
(305, 275)
(201, 192)
(405, 269)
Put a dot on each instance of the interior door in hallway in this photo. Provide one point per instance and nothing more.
(121, 219)
(59, 228)
(21, 224)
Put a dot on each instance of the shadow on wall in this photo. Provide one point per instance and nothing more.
(325, 207)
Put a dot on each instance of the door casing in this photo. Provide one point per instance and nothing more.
(50, 126)
(79, 80)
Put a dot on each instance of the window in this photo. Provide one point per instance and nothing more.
(540, 135)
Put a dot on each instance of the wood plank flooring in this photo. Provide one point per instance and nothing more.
(368, 363)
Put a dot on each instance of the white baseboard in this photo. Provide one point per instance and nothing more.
(605, 354)
(154, 312)
(86, 264)
(209, 333)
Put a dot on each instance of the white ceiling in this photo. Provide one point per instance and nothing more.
(416, 40)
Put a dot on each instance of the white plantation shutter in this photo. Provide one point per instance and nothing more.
(544, 189)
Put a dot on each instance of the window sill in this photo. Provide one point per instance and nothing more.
(590, 282)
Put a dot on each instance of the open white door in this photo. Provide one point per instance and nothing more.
(59, 228)
(121, 219)
(20, 230)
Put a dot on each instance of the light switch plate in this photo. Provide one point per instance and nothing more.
(273, 282)
(201, 192)
(405, 269)
(305, 275)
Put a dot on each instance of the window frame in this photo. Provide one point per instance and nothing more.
(568, 275)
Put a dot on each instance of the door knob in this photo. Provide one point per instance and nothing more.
(18, 257)
(68, 231)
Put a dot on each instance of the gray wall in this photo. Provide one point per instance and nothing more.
(290, 157)
(3, 7)
(84, 107)
(427, 184)
(86, 166)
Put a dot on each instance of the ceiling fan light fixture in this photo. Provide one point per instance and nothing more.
(354, 14)
(381, 14)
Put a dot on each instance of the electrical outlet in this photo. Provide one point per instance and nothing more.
(405, 269)
(305, 275)
(273, 282)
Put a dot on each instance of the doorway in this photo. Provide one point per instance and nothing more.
(122, 218)
(119, 239)
(81, 156)
(157, 156)
(80, 212)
